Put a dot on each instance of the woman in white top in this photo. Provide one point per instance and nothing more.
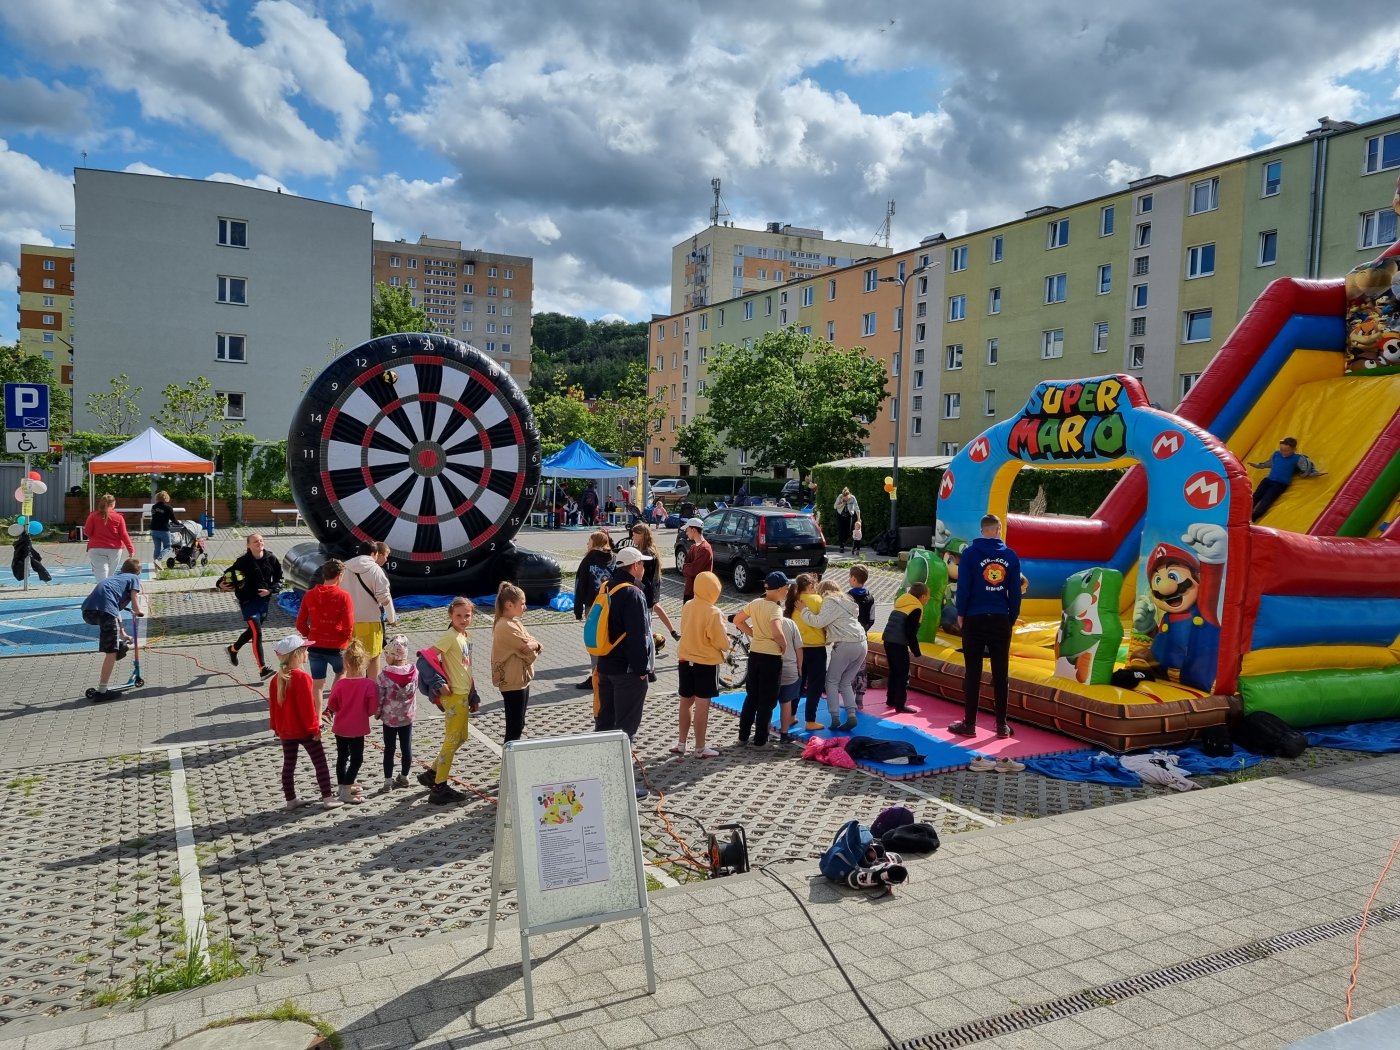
(847, 511)
(839, 617)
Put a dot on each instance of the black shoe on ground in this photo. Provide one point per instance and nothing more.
(232, 655)
(1003, 730)
(427, 778)
(587, 683)
(266, 672)
(99, 695)
(442, 794)
(962, 729)
(642, 793)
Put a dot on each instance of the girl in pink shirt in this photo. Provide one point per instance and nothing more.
(354, 698)
(106, 538)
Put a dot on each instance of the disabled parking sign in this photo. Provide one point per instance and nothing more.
(27, 406)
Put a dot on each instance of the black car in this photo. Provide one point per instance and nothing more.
(751, 542)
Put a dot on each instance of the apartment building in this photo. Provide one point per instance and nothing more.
(1148, 280)
(725, 262)
(183, 278)
(482, 298)
(46, 307)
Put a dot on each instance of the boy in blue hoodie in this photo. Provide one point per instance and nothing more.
(988, 602)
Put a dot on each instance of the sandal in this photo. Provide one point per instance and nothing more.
(677, 749)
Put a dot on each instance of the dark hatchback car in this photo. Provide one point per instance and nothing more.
(751, 542)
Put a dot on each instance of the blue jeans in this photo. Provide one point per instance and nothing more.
(162, 541)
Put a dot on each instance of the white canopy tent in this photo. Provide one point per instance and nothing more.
(151, 453)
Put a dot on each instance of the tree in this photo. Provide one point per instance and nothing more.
(794, 400)
(393, 311)
(699, 445)
(593, 355)
(117, 411)
(193, 408)
(561, 417)
(624, 417)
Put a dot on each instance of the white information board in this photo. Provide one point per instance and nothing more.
(568, 840)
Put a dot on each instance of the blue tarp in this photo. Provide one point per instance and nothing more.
(580, 460)
(1103, 768)
(1381, 737)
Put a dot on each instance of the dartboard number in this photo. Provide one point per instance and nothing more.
(332, 523)
(308, 453)
(393, 566)
(361, 362)
(462, 563)
(335, 386)
(315, 490)
(317, 417)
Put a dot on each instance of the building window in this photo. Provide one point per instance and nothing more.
(704, 322)
(468, 288)
(1378, 227)
(1197, 327)
(491, 272)
(952, 406)
(1268, 247)
(1056, 287)
(767, 306)
(918, 379)
(958, 258)
(1200, 261)
(917, 425)
(48, 282)
(413, 282)
(831, 291)
(394, 260)
(997, 245)
(1141, 266)
(48, 300)
(920, 332)
(993, 351)
(233, 233)
(807, 295)
(233, 403)
(1100, 337)
(394, 281)
(957, 304)
(994, 301)
(743, 457)
(413, 264)
(1052, 344)
(953, 357)
(916, 403)
(721, 317)
(1186, 381)
(50, 264)
(1106, 220)
(48, 319)
(831, 331)
(872, 280)
(48, 337)
(1137, 355)
(950, 448)
(1382, 151)
(896, 364)
(867, 324)
(1139, 297)
(1273, 178)
(1205, 195)
(897, 319)
(1139, 326)
(660, 336)
(989, 402)
(230, 347)
(748, 310)
(1057, 234)
(233, 290)
(921, 286)
(1144, 204)
(762, 273)
(1105, 278)
(491, 290)
(1144, 234)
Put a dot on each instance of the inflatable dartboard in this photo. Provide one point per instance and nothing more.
(422, 442)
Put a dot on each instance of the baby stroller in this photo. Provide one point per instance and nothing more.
(189, 549)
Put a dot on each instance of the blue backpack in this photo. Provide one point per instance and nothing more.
(853, 848)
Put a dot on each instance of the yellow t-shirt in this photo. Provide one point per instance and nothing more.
(810, 635)
(762, 613)
(456, 661)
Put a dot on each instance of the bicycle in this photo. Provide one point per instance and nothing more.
(734, 668)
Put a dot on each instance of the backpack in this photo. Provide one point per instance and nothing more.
(1266, 733)
(890, 818)
(595, 628)
(854, 847)
(911, 838)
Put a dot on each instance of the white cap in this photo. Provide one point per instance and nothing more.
(290, 644)
(695, 523)
(630, 556)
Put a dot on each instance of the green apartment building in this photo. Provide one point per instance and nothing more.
(1148, 280)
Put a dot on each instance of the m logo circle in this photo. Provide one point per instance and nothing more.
(1204, 490)
(1168, 443)
(980, 450)
(946, 488)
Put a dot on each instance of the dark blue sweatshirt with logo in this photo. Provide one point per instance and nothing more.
(989, 579)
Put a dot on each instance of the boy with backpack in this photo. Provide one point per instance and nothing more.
(865, 614)
(618, 632)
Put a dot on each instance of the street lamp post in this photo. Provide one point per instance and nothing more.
(899, 396)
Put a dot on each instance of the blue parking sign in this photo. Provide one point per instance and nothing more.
(26, 406)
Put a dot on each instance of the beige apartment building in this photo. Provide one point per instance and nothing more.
(46, 307)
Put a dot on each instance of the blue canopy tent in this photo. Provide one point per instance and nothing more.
(581, 460)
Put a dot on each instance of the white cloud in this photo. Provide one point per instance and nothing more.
(26, 105)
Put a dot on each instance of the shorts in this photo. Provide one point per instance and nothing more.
(698, 680)
(371, 636)
(109, 634)
(320, 659)
(788, 694)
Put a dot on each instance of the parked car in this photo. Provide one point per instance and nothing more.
(751, 542)
(663, 487)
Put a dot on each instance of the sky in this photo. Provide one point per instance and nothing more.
(585, 134)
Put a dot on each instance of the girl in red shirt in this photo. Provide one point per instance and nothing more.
(296, 721)
(106, 538)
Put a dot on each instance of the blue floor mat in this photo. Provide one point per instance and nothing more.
(939, 755)
(1381, 737)
(1103, 768)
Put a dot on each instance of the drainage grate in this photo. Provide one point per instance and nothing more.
(1109, 994)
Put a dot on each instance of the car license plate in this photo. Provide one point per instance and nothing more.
(791, 562)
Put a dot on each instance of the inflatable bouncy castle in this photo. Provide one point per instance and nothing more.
(1296, 612)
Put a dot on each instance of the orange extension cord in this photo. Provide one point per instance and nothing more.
(1356, 957)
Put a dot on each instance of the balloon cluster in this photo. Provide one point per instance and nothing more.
(28, 488)
(889, 484)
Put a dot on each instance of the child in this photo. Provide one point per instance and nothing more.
(901, 637)
(803, 595)
(865, 614)
(513, 654)
(292, 711)
(704, 643)
(592, 574)
(790, 681)
(857, 534)
(353, 699)
(1282, 465)
(398, 702)
(758, 621)
(458, 700)
(103, 609)
(327, 617)
(839, 618)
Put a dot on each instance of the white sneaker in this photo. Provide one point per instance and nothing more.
(707, 752)
(1009, 765)
(982, 764)
(677, 749)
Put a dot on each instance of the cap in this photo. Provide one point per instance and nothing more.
(630, 556)
(396, 646)
(695, 523)
(290, 644)
(1167, 554)
(774, 580)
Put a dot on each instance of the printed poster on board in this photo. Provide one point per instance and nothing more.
(573, 843)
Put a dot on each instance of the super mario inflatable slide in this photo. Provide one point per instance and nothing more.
(1297, 613)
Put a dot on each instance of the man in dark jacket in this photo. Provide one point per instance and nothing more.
(988, 602)
(699, 556)
(254, 578)
(624, 673)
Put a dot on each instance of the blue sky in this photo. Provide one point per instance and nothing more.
(586, 136)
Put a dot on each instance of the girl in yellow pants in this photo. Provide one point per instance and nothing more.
(455, 652)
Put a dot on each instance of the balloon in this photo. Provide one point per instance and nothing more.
(35, 527)
(888, 480)
(33, 475)
(19, 494)
(16, 529)
(38, 488)
(21, 520)
(889, 485)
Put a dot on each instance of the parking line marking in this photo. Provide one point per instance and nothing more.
(191, 893)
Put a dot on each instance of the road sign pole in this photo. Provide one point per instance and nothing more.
(25, 482)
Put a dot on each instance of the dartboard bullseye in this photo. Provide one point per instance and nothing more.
(422, 442)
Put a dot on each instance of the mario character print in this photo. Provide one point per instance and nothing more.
(1177, 623)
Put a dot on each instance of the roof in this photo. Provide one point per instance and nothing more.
(149, 453)
(886, 462)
